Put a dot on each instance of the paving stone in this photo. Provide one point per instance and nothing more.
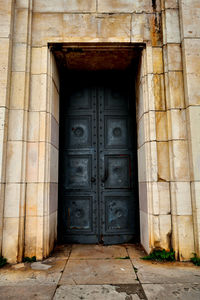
(39, 266)
(172, 291)
(29, 277)
(39, 292)
(18, 266)
(135, 251)
(151, 272)
(108, 271)
(91, 292)
(97, 251)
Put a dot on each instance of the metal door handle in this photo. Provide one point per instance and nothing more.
(93, 179)
(105, 176)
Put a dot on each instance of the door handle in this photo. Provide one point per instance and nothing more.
(105, 177)
(93, 179)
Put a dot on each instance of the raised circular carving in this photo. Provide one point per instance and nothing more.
(119, 213)
(79, 132)
(117, 131)
(117, 170)
(79, 213)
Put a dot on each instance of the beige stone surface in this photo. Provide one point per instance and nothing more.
(160, 198)
(10, 238)
(32, 162)
(190, 20)
(171, 29)
(14, 196)
(100, 292)
(144, 230)
(39, 292)
(179, 160)
(17, 99)
(80, 27)
(21, 25)
(110, 6)
(191, 71)
(39, 60)
(163, 161)
(14, 161)
(186, 291)
(175, 93)
(19, 57)
(161, 126)
(97, 252)
(38, 93)
(151, 272)
(181, 198)
(92, 271)
(173, 57)
(6, 11)
(158, 91)
(157, 60)
(64, 6)
(176, 119)
(4, 69)
(140, 28)
(185, 237)
(16, 117)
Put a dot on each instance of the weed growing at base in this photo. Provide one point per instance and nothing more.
(195, 259)
(29, 259)
(3, 261)
(160, 255)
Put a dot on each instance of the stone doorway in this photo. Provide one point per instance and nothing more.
(98, 194)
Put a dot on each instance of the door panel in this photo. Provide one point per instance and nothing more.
(98, 193)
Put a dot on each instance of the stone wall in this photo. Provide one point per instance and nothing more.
(168, 116)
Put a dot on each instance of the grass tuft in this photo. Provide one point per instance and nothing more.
(29, 259)
(195, 259)
(3, 261)
(160, 255)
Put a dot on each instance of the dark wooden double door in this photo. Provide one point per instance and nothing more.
(98, 190)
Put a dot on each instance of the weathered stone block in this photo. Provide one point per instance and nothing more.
(32, 162)
(14, 161)
(175, 97)
(17, 100)
(179, 160)
(104, 28)
(190, 18)
(38, 93)
(173, 57)
(39, 60)
(160, 198)
(64, 6)
(4, 70)
(140, 28)
(176, 124)
(171, 29)
(10, 239)
(163, 161)
(14, 194)
(194, 137)
(129, 6)
(161, 126)
(181, 198)
(19, 117)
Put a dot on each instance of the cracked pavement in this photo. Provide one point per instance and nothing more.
(96, 272)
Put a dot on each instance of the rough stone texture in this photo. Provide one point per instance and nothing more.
(167, 97)
(172, 291)
(154, 280)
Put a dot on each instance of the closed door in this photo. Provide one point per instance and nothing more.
(98, 190)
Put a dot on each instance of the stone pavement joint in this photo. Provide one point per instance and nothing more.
(97, 272)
